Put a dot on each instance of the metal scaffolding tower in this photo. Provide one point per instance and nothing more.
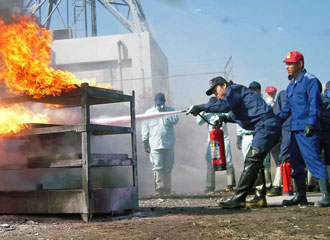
(80, 15)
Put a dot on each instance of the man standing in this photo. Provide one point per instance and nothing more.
(304, 105)
(158, 139)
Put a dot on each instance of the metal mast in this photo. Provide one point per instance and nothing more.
(80, 15)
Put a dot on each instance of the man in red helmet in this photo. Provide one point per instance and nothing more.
(305, 107)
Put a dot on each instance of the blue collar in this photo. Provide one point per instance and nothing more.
(301, 75)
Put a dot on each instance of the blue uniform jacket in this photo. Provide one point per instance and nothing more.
(279, 105)
(303, 102)
(245, 107)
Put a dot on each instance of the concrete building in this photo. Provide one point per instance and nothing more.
(128, 62)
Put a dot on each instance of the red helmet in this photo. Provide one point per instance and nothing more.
(271, 89)
(294, 56)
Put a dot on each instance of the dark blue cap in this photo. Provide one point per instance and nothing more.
(160, 99)
(255, 85)
(215, 82)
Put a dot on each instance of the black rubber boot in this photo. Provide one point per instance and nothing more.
(325, 189)
(253, 162)
(300, 197)
(259, 199)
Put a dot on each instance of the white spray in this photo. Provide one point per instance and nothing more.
(126, 120)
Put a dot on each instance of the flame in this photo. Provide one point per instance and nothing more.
(15, 118)
(26, 57)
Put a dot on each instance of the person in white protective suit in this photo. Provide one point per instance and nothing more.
(210, 174)
(158, 139)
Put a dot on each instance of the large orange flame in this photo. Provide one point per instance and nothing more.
(25, 52)
(25, 58)
(15, 118)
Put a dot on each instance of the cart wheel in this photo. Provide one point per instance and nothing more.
(86, 217)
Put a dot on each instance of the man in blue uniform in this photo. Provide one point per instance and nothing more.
(284, 155)
(158, 139)
(304, 105)
(251, 112)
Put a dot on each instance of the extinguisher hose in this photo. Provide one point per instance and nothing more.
(205, 119)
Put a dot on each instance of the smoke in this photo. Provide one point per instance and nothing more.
(8, 7)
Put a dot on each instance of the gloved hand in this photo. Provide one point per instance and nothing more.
(239, 142)
(146, 146)
(309, 130)
(218, 123)
(195, 109)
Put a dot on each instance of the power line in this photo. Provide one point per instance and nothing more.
(166, 76)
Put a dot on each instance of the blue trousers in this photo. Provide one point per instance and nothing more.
(267, 134)
(285, 145)
(305, 151)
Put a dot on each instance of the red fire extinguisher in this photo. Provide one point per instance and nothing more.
(286, 178)
(217, 146)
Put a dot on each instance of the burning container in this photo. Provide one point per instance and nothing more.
(88, 197)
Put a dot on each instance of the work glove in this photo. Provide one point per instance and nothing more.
(146, 146)
(239, 142)
(218, 123)
(195, 109)
(309, 130)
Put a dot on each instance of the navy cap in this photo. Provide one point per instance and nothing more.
(255, 85)
(214, 82)
(160, 99)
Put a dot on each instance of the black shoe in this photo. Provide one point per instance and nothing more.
(257, 202)
(300, 197)
(230, 204)
(230, 188)
(275, 191)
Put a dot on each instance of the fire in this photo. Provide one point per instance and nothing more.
(15, 118)
(26, 57)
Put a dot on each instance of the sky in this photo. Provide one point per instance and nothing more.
(199, 36)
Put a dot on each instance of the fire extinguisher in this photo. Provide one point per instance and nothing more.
(286, 178)
(217, 147)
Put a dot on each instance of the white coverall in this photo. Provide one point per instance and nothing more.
(160, 134)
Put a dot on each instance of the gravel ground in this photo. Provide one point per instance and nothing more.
(194, 216)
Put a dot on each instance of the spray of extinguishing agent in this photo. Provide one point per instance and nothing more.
(217, 146)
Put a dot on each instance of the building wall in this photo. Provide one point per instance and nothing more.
(143, 66)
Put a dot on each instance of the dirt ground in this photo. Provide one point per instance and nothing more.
(177, 217)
